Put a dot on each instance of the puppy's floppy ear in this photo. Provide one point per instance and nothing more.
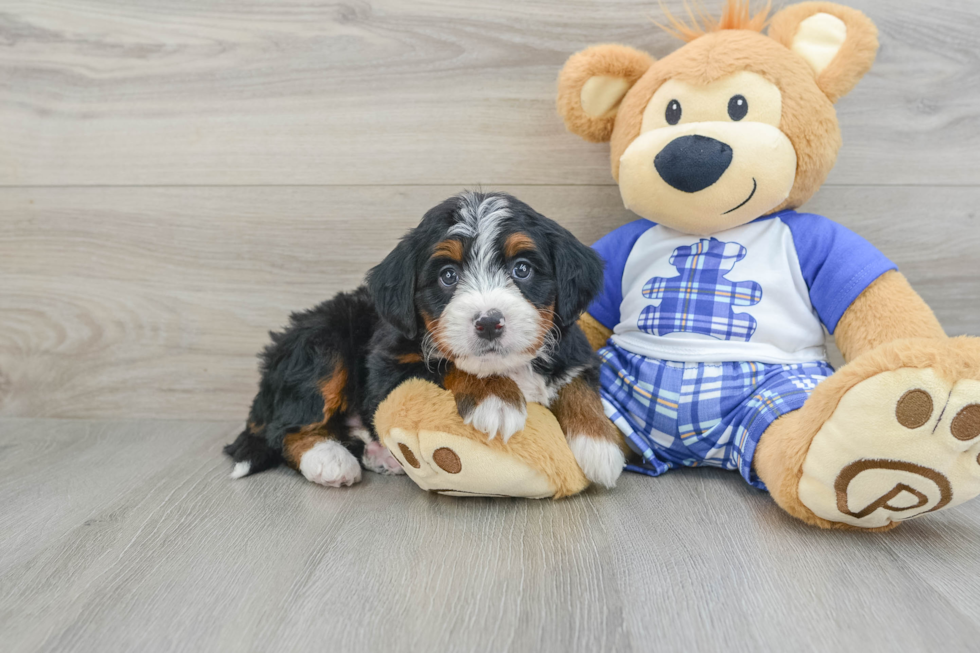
(578, 273)
(838, 42)
(592, 84)
(392, 284)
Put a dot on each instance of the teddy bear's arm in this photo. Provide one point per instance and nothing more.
(889, 309)
(596, 333)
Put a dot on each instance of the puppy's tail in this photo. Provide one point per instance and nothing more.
(252, 454)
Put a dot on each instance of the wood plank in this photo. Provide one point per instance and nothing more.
(60, 475)
(695, 560)
(725, 557)
(934, 552)
(388, 92)
(153, 302)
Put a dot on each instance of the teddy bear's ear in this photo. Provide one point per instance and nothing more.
(839, 43)
(592, 84)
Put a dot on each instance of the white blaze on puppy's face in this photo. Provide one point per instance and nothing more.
(520, 328)
(485, 286)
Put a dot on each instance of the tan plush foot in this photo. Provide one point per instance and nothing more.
(899, 445)
(893, 435)
(421, 427)
(448, 464)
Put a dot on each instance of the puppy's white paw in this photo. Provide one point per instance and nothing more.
(241, 469)
(329, 463)
(379, 460)
(601, 461)
(495, 415)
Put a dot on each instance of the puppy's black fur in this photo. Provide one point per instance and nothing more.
(375, 336)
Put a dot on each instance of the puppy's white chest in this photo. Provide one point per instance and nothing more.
(533, 385)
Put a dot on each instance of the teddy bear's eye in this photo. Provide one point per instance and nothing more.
(738, 106)
(673, 114)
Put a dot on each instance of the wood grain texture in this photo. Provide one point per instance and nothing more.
(149, 302)
(176, 177)
(191, 92)
(139, 548)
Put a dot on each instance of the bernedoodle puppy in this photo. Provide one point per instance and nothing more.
(481, 298)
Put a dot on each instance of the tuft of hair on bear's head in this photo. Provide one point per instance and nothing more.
(736, 14)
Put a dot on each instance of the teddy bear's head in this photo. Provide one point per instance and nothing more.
(733, 125)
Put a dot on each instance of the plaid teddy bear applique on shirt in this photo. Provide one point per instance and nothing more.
(700, 299)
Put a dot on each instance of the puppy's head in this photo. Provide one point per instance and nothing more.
(486, 281)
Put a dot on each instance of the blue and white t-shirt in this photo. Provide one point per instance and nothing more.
(758, 292)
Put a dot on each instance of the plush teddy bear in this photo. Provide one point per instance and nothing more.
(710, 325)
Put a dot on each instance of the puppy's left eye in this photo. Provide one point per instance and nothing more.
(448, 276)
(522, 270)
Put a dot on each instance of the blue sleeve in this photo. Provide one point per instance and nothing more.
(615, 248)
(837, 264)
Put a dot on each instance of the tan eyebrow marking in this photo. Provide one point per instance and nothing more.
(516, 243)
(451, 249)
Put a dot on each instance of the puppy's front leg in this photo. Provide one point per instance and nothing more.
(492, 404)
(595, 442)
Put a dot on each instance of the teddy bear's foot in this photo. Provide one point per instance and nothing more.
(893, 435)
(900, 444)
(458, 466)
(420, 425)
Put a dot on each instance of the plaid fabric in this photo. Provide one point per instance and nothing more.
(693, 414)
(700, 298)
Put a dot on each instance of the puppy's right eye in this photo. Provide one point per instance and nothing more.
(448, 277)
(673, 113)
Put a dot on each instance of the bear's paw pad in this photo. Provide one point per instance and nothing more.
(899, 444)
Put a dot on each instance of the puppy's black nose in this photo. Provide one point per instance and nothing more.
(693, 163)
(489, 325)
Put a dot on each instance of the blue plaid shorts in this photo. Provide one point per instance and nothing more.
(693, 414)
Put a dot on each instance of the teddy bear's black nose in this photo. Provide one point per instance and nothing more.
(693, 163)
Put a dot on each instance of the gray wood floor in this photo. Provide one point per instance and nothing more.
(176, 176)
(128, 536)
